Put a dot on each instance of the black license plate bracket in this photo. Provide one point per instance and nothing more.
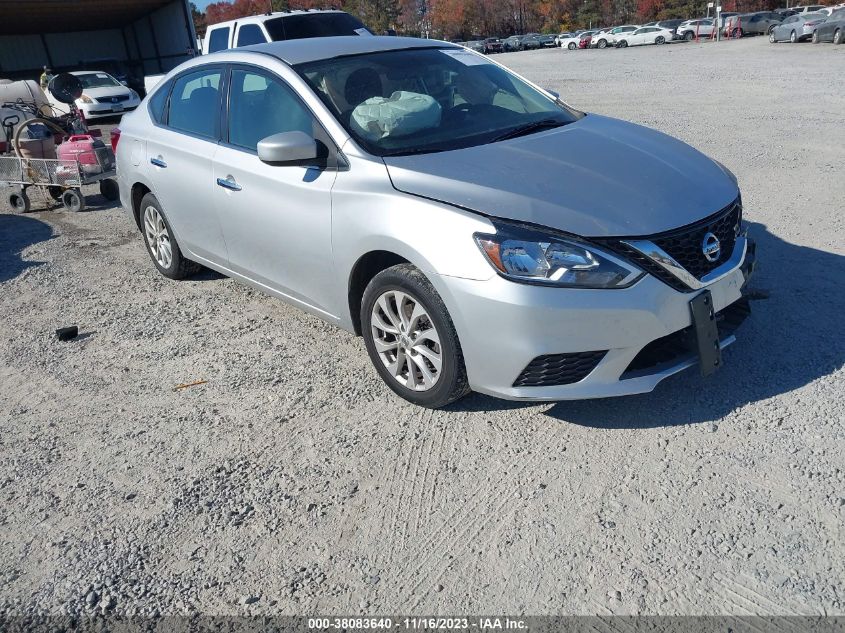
(706, 332)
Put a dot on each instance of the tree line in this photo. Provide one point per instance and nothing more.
(468, 19)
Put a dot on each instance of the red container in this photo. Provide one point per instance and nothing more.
(91, 154)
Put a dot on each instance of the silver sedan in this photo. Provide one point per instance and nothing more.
(426, 198)
(797, 28)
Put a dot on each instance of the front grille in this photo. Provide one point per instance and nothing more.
(685, 246)
(558, 369)
(116, 99)
(674, 347)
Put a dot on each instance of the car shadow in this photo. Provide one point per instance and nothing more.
(793, 337)
(18, 232)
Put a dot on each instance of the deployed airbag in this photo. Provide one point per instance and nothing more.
(401, 114)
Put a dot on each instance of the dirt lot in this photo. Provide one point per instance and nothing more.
(294, 482)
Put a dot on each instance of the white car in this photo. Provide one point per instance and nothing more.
(612, 36)
(102, 95)
(570, 42)
(702, 27)
(646, 35)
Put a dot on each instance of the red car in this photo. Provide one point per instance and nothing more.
(585, 40)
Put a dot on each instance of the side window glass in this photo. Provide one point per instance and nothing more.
(219, 40)
(260, 106)
(250, 34)
(195, 103)
(158, 101)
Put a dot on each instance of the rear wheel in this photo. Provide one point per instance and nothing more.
(660, 40)
(19, 202)
(109, 189)
(572, 46)
(837, 36)
(689, 36)
(410, 338)
(161, 245)
(623, 44)
(602, 43)
(73, 200)
(738, 33)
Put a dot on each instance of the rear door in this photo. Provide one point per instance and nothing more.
(179, 155)
(276, 218)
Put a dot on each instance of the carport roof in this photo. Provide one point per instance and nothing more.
(23, 17)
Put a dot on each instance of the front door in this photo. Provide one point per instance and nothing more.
(276, 218)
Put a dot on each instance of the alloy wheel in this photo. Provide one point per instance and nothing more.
(158, 237)
(406, 340)
(792, 37)
(837, 37)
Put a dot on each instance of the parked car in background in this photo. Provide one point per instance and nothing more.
(531, 41)
(830, 10)
(561, 36)
(584, 39)
(690, 29)
(809, 8)
(102, 95)
(758, 23)
(547, 41)
(797, 28)
(476, 45)
(493, 45)
(832, 30)
(519, 283)
(672, 25)
(512, 44)
(570, 42)
(278, 26)
(612, 36)
(723, 17)
(646, 35)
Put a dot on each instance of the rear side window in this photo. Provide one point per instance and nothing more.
(250, 34)
(218, 40)
(295, 27)
(158, 102)
(195, 103)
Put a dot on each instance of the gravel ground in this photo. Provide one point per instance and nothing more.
(294, 482)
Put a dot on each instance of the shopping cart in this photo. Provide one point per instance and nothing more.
(62, 180)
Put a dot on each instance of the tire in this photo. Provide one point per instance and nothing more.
(772, 37)
(689, 36)
(623, 44)
(55, 193)
(837, 36)
(399, 290)
(73, 200)
(793, 38)
(572, 46)
(109, 189)
(166, 254)
(19, 202)
(602, 44)
(659, 40)
(815, 38)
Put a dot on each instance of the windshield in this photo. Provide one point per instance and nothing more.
(300, 26)
(97, 80)
(429, 100)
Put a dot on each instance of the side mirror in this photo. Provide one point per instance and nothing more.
(288, 148)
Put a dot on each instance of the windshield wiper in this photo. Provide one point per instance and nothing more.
(530, 128)
(414, 150)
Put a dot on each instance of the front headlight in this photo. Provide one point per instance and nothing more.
(530, 256)
(86, 99)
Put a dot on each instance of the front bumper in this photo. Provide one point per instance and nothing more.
(503, 326)
(96, 110)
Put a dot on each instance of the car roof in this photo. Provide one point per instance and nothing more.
(314, 49)
(89, 72)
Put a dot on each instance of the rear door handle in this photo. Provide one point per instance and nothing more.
(158, 162)
(227, 183)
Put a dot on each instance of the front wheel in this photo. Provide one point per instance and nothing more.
(623, 44)
(660, 40)
(602, 43)
(772, 37)
(572, 46)
(411, 339)
(738, 33)
(73, 200)
(689, 36)
(793, 38)
(815, 38)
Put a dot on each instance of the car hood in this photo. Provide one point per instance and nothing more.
(107, 91)
(597, 177)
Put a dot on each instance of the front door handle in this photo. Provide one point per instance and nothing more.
(158, 162)
(229, 183)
